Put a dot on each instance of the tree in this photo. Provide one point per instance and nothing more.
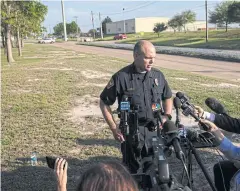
(234, 12)
(220, 14)
(173, 23)
(159, 27)
(58, 29)
(21, 18)
(8, 16)
(104, 26)
(72, 28)
(187, 17)
(92, 32)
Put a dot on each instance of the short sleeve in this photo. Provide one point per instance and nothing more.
(167, 92)
(109, 94)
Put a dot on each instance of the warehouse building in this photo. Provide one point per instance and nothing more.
(137, 25)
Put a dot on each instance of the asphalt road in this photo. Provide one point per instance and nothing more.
(218, 69)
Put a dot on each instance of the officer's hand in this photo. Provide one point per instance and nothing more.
(212, 126)
(199, 111)
(118, 135)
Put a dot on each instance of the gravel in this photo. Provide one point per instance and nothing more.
(214, 54)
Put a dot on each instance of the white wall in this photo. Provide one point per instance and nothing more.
(118, 27)
(147, 24)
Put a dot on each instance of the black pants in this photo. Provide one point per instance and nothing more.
(225, 173)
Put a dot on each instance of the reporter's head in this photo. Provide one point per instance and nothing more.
(109, 176)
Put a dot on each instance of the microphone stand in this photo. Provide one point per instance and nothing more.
(192, 150)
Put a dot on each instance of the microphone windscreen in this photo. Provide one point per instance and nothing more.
(177, 103)
(215, 105)
(125, 98)
(179, 94)
(169, 127)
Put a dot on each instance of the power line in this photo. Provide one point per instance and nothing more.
(136, 8)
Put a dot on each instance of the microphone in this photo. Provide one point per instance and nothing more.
(188, 109)
(171, 132)
(157, 111)
(177, 105)
(215, 106)
(124, 108)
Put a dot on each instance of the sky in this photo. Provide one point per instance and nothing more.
(114, 9)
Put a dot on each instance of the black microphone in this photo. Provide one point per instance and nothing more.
(124, 108)
(215, 106)
(188, 109)
(177, 105)
(171, 132)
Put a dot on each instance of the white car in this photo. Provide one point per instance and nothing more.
(47, 40)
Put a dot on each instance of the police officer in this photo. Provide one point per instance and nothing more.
(147, 86)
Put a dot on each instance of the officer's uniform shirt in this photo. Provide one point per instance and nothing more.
(145, 88)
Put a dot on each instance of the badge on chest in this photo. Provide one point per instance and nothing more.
(156, 81)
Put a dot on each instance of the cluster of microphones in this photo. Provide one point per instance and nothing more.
(174, 131)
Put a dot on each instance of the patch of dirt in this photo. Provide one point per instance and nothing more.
(95, 74)
(62, 69)
(21, 91)
(91, 84)
(85, 106)
(181, 79)
(36, 79)
(222, 85)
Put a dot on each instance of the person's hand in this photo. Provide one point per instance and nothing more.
(61, 173)
(199, 111)
(118, 135)
(212, 126)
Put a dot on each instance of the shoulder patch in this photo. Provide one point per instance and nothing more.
(110, 83)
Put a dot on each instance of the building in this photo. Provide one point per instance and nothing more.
(146, 24)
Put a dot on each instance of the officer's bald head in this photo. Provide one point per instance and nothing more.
(141, 46)
(144, 55)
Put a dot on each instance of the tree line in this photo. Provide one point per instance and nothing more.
(224, 13)
(20, 18)
(71, 28)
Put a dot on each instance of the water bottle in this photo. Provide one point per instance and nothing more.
(33, 158)
(182, 131)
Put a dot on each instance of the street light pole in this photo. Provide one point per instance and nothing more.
(64, 21)
(124, 22)
(206, 20)
(76, 17)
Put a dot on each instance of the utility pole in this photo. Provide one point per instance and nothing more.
(93, 25)
(124, 22)
(50, 31)
(76, 17)
(64, 21)
(100, 21)
(206, 12)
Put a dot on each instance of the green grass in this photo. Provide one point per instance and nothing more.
(37, 95)
(218, 39)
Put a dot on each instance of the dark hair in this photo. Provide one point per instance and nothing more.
(107, 176)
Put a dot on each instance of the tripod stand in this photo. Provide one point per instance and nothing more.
(192, 151)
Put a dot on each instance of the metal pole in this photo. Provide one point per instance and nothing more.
(124, 22)
(206, 20)
(93, 25)
(77, 24)
(64, 21)
(100, 21)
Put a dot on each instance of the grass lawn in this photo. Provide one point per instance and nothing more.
(218, 39)
(39, 92)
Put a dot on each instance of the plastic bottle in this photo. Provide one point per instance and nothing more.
(33, 158)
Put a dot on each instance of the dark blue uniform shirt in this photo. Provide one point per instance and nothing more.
(144, 88)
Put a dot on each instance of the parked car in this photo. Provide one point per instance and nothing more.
(47, 40)
(120, 37)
